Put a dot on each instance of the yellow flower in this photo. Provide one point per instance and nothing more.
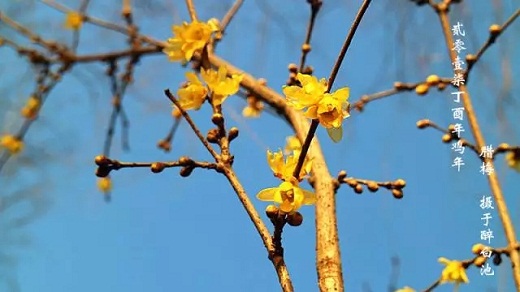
(193, 94)
(104, 184)
(453, 272)
(30, 110)
(189, 38)
(220, 85)
(73, 20)
(289, 195)
(513, 159)
(310, 93)
(293, 143)
(13, 144)
(284, 169)
(405, 289)
(254, 107)
(330, 109)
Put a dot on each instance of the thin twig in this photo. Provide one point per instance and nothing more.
(191, 10)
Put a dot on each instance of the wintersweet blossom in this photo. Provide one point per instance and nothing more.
(289, 195)
(73, 20)
(254, 107)
(31, 108)
(453, 272)
(220, 85)
(283, 169)
(193, 94)
(513, 160)
(189, 38)
(330, 109)
(13, 144)
(292, 143)
(104, 184)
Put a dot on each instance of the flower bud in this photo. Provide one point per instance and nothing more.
(101, 160)
(233, 133)
(157, 167)
(372, 186)
(306, 48)
(217, 119)
(477, 248)
(186, 171)
(479, 261)
(399, 183)
(358, 189)
(423, 124)
(293, 68)
(495, 29)
(433, 80)
(271, 211)
(422, 89)
(295, 219)
(213, 136)
(398, 194)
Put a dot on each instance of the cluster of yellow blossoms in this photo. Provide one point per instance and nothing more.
(189, 38)
(329, 108)
(288, 194)
(194, 93)
(31, 108)
(11, 143)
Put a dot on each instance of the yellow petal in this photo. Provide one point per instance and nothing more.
(266, 194)
(310, 197)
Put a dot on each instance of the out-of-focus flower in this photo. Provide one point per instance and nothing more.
(405, 289)
(254, 107)
(73, 20)
(104, 184)
(513, 159)
(189, 38)
(11, 143)
(31, 108)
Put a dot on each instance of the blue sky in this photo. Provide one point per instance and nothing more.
(162, 232)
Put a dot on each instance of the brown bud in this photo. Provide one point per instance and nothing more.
(441, 86)
(262, 81)
(157, 167)
(399, 85)
(497, 259)
(102, 171)
(351, 182)
(433, 80)
(495, 29)
(293, 68)
(184, 160)
(306, 48)
(233, 133)
(101, 160)
(399, 183)
(358, 189)
(213, 135)
(502, 147)
(423, 124)
(217, 119)
(470, 58)
(398, 194)
(186, 171)
(477, 248)
(165, 145)
(271, 211)
(479, 261)
(446, 138)
(308, 70)
(342, 175)
(295, 219)
(422, 89)
(372, 186)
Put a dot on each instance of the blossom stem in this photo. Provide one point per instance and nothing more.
(191, 10)
(305, 148)
(347, 42)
